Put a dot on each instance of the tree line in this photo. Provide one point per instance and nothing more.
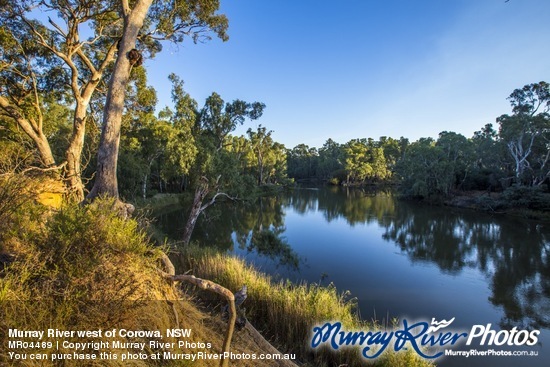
(79, 103)
(515, 153)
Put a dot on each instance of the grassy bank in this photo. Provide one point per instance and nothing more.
(85, 268)
(287, 312)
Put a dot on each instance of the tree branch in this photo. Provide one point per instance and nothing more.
(213, 200)
(212, 287)
(126, 8)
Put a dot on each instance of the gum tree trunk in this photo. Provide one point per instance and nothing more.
(107, 156)
(196, 209)
(73, 169)
(33, 129)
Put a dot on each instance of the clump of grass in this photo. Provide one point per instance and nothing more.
(287, 312)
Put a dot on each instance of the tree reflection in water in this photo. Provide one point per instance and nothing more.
(512, 253)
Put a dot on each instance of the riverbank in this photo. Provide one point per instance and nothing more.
(92, 270)
(80, 268)
(525, 202)
(287, 312)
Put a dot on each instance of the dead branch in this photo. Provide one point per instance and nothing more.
(209, 286)
(54, 168)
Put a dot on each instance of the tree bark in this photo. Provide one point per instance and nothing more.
(33, 130)
(73, 169)
(144, 187)
(107, 155)
(196, 209)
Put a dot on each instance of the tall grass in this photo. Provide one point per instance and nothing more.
(286, 312)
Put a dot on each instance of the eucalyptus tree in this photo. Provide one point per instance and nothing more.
(24, 89)
(152, 21)
(420, 169)
(302, 162)
(55, 49)
(331, 158)
(364, 160)
(526, 133)
(269, 157)
(71, 46)
(219, 118)
(458, 158)
(215, 172)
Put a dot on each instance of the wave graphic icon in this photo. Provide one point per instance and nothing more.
(436, 325)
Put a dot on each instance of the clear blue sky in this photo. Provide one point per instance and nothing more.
(363, 68)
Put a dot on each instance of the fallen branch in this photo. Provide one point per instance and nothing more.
(209, 286)
(170, 274)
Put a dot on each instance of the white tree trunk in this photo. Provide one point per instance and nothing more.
(107, 155)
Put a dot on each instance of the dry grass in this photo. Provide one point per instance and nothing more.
(84, 268)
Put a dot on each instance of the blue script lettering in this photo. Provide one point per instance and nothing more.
(415, 335)
(341, 338)
(405, 335)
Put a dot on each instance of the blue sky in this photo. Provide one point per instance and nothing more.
(352, 69)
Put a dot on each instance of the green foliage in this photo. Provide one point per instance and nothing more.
(302, 162)
(526, 197)
(162, 146)
(87, 235)
(365, 161)
(267, 158)
(218, 118)
(16, 209)
(85, 268)
(331, 157)
(526, 133)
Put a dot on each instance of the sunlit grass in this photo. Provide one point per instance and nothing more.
(287, 312)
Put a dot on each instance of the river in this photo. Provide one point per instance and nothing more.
(400, 259)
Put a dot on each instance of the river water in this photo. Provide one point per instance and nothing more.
(399, 259)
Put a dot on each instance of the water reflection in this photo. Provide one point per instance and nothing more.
(511, 253)
(254, 227)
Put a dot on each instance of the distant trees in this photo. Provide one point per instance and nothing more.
(357, 162)
(526, 133)
(303, 162)
(364, 162)
(268, 158)
(431, 167)
(517, 154)
(53, 80)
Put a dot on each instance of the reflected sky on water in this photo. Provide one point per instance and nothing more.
(399, 259)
